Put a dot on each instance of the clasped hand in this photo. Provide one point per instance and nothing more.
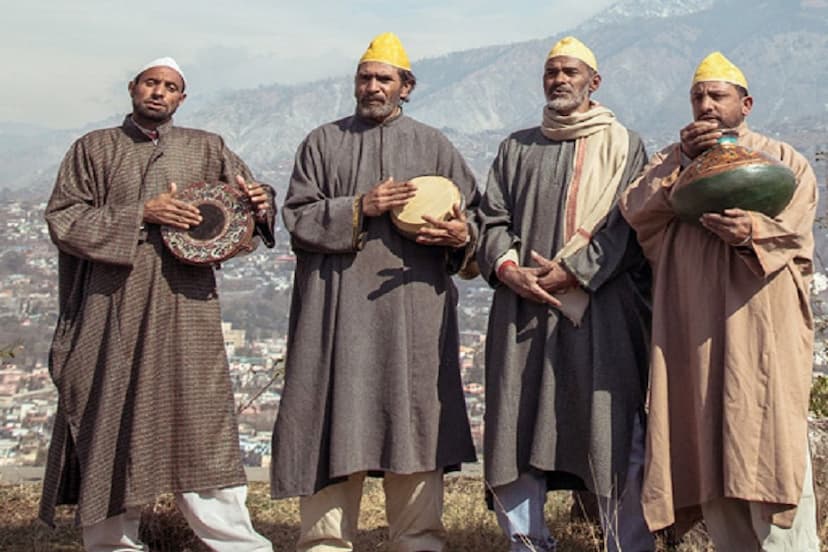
(540, 282)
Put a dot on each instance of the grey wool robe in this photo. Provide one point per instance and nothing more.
(372, 379)
(561, 399)
(145, 398)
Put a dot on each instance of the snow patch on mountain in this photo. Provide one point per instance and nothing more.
(645, 9)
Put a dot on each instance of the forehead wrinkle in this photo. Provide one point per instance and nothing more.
(165, 75)
(376, 68)
(566, 62)
(712, 86)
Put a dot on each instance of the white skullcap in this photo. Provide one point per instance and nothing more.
(165, 62)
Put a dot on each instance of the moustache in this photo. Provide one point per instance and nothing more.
(561, 88)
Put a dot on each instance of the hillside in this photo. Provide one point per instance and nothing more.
(647, 50)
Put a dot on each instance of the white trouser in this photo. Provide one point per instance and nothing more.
(519, 507)
(735, 524)
(219, 517)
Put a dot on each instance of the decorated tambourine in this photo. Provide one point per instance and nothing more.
(434, 197)
(226, 228)
(732, 176)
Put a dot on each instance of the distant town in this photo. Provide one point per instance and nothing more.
(255, 297)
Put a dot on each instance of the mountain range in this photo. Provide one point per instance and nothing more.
(647, 51)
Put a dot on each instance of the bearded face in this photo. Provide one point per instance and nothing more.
(156, 94)
(720, 102)
(376, 106)
(378, 89)
(566, 98)
(568, 83)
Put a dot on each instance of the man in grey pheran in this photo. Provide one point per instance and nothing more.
(566, 350)
(372, 383)
(145, 402)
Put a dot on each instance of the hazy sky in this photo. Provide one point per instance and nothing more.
(66, 63)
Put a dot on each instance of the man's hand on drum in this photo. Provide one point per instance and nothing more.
(167, 210)
(386, 195)
(699, 136)
(448, 233)
(258, 196)
(734, 226)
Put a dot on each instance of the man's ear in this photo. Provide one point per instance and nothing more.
(747, 105)
(595, 82)
(405, 90)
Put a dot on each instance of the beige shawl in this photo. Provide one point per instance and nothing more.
(601, 150)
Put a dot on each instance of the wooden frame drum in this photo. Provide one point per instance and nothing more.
(435, 197)
(226, 228)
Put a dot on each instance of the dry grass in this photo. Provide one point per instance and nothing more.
(471, 527)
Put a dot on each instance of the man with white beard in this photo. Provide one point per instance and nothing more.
(567, 345)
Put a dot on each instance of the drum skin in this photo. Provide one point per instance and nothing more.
(226, 228)
(435, 197)
(731, 176)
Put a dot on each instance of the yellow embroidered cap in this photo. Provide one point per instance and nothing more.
(572, 47)
(716, 67)
(387, 48)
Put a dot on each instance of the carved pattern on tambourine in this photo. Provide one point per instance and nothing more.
(232, 234)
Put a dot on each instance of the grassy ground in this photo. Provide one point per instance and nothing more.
(471, 527)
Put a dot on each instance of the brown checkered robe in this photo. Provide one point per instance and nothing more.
(145, 399)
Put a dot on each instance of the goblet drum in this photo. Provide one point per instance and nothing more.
(732, 176)
(226, 228)
(434, 197)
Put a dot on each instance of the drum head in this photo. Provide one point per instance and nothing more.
(435, 197)
(225, 229)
